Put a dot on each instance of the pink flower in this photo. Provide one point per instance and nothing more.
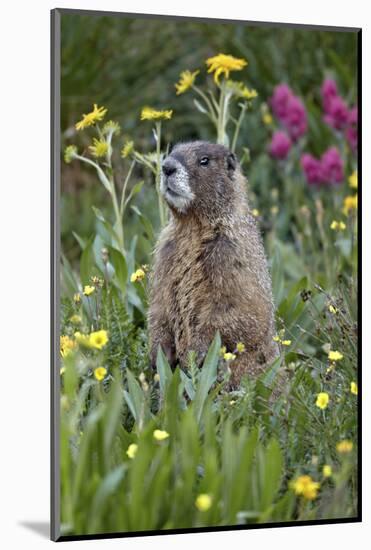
(328, 91)
(351, 132)
(295, 119)
(312, 169)
(337, 113)
(332, 166)
(280, 145)
(279, 100)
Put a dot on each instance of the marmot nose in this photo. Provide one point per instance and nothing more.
(168, 167)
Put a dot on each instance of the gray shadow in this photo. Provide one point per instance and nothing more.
(42, 528)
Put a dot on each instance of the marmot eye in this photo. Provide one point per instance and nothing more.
(204, 161)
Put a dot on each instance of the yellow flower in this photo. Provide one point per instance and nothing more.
(223, 351)
(337, 226)
(160, 435)
(276, 339)
(223, 63)
(70, 153)
(240, 347)
(344, 446)
(267, 119)
(132, 450)
(203, 502)
(151, 114)
(82, 339)
(286, 342)
(353, 180)
(240, 90)
(327, 470)
(66, 345)
(100, 373)
(335, 355)
(137, 276)
(354, 388)
(186, 81)
(350, 203)
(88, 290)
(99, 148)
(306, 487)
(75, 319)
(255, 212)
(96, 115)
(111, 127)
(77, 298)
(322, 400)
(229, 356)
(332, 309)
(127, 149)
(98, 339)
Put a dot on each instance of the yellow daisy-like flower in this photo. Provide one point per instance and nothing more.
(255, 212)
(229, 356)
(240, 347)
(70, 153)
(160, 435)
(350, 203)
(132, 450)
(332, 309)
(322, 400)
(240, 90)
(88, 290)
(100, 373)
(337, 226)
(137, 276)
(354, 388)
(82, 339)
(344, 447)
(111, 127)
(222, 351)
(77, 298)
(96, 115)
(224, 64)
(335, 355)
(306, 487)
(151, 114)
(127, 149)
(327, 470)
(353, 180)
(98, 339)
(203, 502)
(66, 345)
(186, 81)
(286, 342)
(276, 339)
(75, 319)
(99, 148)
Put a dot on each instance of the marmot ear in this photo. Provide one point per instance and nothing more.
(231, 161)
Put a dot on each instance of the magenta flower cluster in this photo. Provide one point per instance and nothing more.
(328, 169)
(291, 113)
(337, 113)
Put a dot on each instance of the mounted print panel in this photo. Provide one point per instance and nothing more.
(204, 276)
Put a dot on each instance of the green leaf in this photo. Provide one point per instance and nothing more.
(119, 264)
(208, 376)
(87, 262)
(164, 371)
(146, 223)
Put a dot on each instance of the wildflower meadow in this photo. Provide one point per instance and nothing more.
(143, 449)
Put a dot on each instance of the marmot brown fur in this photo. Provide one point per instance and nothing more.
(210, 271)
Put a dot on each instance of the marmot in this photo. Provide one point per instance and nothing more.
(210, 271)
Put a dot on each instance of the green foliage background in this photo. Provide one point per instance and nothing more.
(242, 448)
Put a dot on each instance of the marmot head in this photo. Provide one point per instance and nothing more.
(201, 178)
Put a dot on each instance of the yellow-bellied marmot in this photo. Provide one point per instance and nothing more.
(210, 272)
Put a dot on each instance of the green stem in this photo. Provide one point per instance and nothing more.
(128, 176)
(238, 127)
